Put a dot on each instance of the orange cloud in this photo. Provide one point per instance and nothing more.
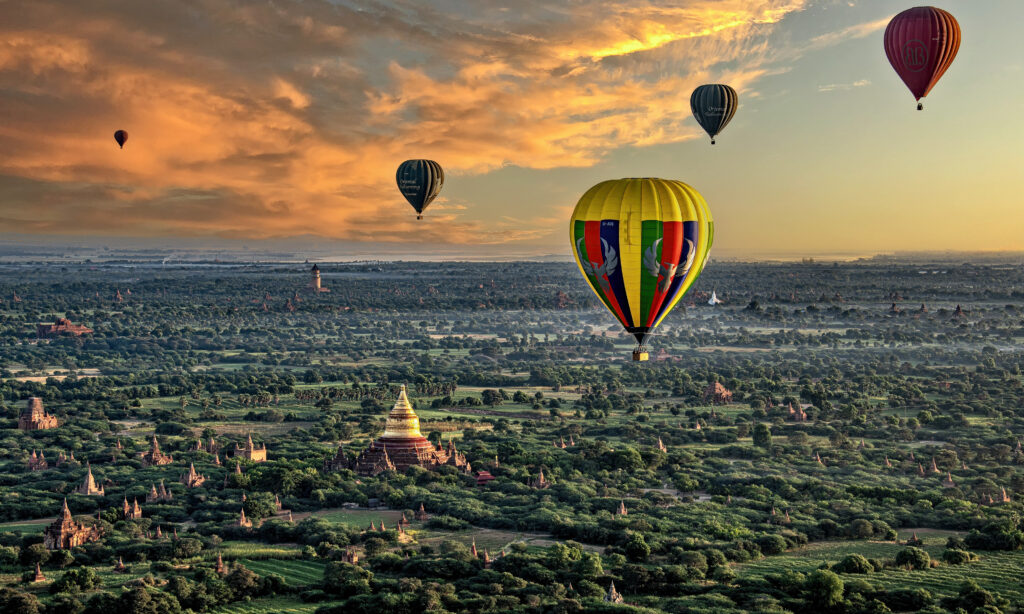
(285, 119)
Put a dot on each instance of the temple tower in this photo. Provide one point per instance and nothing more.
(314, 282)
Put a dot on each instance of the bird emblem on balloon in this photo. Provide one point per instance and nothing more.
(600, 272)
(667, 272)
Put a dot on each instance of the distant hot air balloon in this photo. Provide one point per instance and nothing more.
(714, 105)
(921, 43)
(420, 182)
(120, 136)
(641, 243)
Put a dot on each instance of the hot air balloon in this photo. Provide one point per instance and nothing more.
(420, 182)
(120, 136)
(921, 43)
(641, 244)
(713, 105)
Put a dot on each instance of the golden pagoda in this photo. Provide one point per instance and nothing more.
(401, 446)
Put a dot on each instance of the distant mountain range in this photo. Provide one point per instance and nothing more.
(58, 249)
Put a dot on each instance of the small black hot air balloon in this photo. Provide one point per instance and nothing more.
(420, 182)
(120, 136)
(713, 105)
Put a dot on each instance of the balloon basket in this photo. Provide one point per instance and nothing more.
(920, 106)
(641, 356)
(419, 217)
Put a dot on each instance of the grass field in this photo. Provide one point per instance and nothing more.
(361, 518)
(253, 550)
(999, 572)
(272, 606)
(295, 572)
(24, 527)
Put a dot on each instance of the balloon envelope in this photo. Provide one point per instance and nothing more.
(713, 105)
(641, 244)
(120, 136)
(921, 43)
(420, 182)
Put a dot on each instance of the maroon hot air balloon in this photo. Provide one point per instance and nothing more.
(120, 136)
(921, 43)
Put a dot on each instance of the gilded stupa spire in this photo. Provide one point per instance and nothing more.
(402, 421)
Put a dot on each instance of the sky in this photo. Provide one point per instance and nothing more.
(285, 121)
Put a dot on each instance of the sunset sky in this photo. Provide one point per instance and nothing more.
(259, 120)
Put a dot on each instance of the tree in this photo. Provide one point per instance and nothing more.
(723, 575)
(954, 556)
(823, 588)
(762, 435)
(374, 546)
(16, 602)
(695, 563)
(772, 544)
(972, 598)
(491, 397)
(853, 563)
(36, 553)
(914, 558)
(61, 558)
(637, 549)
(861, 529)
(140, 601)
(346, 580)
(260, 505)
(242, 581)
(77, 580)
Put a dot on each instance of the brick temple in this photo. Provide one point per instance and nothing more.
(35, 418)
(400, 447)
(717, 394)
(251, 452)
(64, 533)
(154, 456)
(62, 326)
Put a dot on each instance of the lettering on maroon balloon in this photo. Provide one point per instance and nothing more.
(915, 55)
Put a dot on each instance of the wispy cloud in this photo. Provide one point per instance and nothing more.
(852, 32)
(832, 87)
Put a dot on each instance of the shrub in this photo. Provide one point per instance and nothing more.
(771, 544)
(914, 558)
(447, 523)
(955, 556)
(853, 563)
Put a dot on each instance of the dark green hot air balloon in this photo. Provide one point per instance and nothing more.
(420, 182)
(713, 105)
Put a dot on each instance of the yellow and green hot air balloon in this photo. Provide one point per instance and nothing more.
(641, 243)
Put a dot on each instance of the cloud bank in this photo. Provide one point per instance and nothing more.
(258, 119)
